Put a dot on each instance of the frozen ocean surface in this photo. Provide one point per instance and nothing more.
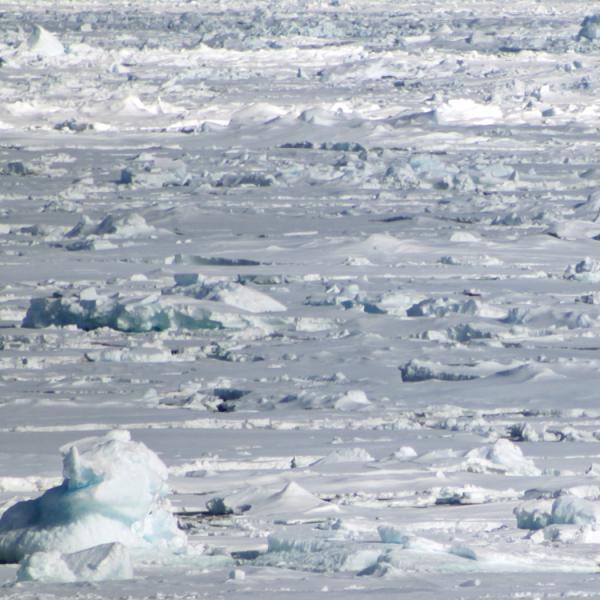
(305, 293)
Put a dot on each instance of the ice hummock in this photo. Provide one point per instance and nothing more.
(502, 456)
(564, 510)
(44, 44)
(114, 491)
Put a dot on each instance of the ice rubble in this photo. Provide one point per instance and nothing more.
(153, 312)
(590, 28)
(587, 270)
(292, 503)
(503, 456)
(114, 491)
(346, 455)
(565, 510)
(86, 233)
(232, 294)
(401, 553)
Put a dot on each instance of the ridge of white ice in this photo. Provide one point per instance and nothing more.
(504, 456)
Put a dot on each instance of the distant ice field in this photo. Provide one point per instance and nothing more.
(334, 266)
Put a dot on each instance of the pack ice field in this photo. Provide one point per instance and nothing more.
(299, 297)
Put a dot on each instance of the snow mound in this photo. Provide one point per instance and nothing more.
(246, 298)
(293, 500)
(114, 490)
(570, 510)
(348, 297)
(232, 294)
(502, 456)
(99, 563)
(468, 112)
(352, 400)
(346, 455)
(292, 503)
(149, 171)
(405, 453)
(44, 44)
(465, 237)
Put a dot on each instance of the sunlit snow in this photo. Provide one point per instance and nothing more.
(306, 295)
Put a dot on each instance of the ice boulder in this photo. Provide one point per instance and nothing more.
(44, 44)
(587, 270)
(99, 563)
(590, 28)
(504, 457)
(534, 514)
(114, 491)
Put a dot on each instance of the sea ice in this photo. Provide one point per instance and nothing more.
(467, 112)
(502, 455)
(565, 510)
(574, 511)
(590, 28)
(236, 295)
(149, 313)
(44, 44)
(98, 563)
(346, 455)
(114, 490)
(587, 269)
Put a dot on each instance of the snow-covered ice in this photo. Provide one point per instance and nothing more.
(333, 265)
(114, 490)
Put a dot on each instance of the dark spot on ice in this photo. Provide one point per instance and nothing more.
(228, 394)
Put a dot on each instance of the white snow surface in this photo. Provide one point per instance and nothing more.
(334, 265)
